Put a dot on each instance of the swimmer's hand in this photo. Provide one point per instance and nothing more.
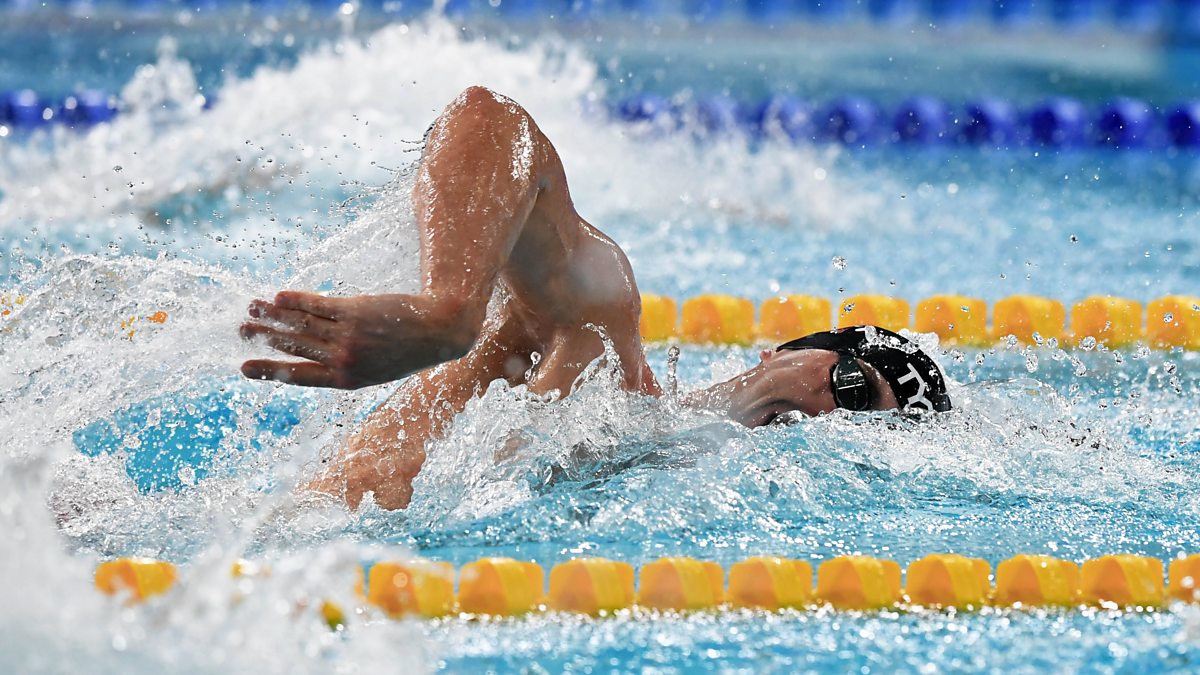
(348, 343)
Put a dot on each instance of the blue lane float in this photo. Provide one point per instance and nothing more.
(1183, 125)
(922, 119)
(1124, 123)
(990, 121)
(851, 120)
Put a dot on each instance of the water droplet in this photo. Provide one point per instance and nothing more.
(1168, 317)
(1088, 343)
(839, 262)
(1074, 239)
(1031, 362)
(118, 168)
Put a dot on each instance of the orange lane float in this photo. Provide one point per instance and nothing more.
(948, 580)
(417, 587)
(875, 310)
(787, 317)
(1037, 580)
(1125, 580)
(137, 578)
(1174, 321)
(859, 582)
(658, 319)
(681, 583)
(770, 583)
(1113, 322)
(591, 586)
(1023, 316)
(956, 319)
(500, 587)
(1183, 579)
(718, 319)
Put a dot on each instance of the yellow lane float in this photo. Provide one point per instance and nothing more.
(138, 578)
(591, 586)
(1174, 321)
(417, 587)
(657, 322)
(1183, 578)
(1036, 580)
(948, 580)
(1125, 580)
(859, 582)
(500, 587)
(770, 583)
(875, 310)
(956, 319)
(1022, 316)
(788, 317)
(1113, 322)
(681, 583)
(718, 319)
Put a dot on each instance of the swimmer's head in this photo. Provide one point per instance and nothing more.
(857, 368)
(914, 377)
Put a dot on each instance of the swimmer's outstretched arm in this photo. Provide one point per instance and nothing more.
(385, 454)
(476, 185)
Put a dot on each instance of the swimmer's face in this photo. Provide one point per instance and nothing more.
(800, 381)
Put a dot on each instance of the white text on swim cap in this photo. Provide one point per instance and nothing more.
(918, 397)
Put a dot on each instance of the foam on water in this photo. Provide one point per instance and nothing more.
(235, 202)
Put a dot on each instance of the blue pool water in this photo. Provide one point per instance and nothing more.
(147, 443)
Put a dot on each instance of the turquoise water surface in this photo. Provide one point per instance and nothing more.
(150, 444)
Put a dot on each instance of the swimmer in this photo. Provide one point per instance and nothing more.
(495, 218)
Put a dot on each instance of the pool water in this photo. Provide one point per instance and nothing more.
(121, 435)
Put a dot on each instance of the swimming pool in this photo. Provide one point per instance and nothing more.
(124, 435)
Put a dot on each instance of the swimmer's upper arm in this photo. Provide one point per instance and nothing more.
(475, 188)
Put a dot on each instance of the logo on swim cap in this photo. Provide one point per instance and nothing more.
(919, 396)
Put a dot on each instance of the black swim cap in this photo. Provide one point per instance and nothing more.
(915, 379)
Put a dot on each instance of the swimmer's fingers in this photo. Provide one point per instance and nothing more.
(303, 373)
(299, 320)
(329, 308)
(296, 344)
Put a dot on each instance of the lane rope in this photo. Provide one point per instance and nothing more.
(498, 586)
(1096, 322)
(853, 121)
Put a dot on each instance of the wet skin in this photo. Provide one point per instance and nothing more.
(495, 217)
